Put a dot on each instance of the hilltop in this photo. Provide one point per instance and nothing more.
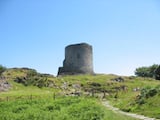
(131, 94)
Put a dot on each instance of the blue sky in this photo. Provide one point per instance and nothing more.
(125, 34)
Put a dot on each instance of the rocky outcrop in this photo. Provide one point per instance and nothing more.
(4, 85)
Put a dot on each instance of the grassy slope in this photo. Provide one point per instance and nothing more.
(18, 89)
(68, 108)
(124, 98)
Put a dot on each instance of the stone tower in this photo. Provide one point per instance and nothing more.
(78, 60)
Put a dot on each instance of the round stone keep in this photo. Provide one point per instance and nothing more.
(78, 60)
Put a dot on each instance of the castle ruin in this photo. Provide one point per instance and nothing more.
(78, 60)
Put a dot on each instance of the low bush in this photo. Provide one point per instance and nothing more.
(146, 93)
(34, 79)
(2, 69)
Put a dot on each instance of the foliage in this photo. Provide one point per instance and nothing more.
(32, 77)
(143, 102)
(2, 69)
(146, 93)
(146, 71)
(157, 73)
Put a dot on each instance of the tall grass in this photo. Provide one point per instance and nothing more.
(66, 108)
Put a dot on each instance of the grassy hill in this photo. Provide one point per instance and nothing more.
(64, 108)
(131, 94)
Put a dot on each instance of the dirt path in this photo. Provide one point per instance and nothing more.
(141, 117)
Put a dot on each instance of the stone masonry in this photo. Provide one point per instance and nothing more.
(78, 60)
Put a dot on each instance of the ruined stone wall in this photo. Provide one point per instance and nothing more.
(78, 60)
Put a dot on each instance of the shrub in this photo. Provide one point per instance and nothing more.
(2, 69)
(157, 73)
(34, 78)
(146, 71)
(146, 93)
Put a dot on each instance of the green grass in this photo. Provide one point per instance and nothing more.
(126, 100)
(66, 108)
(123, 99)
(18, 90)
